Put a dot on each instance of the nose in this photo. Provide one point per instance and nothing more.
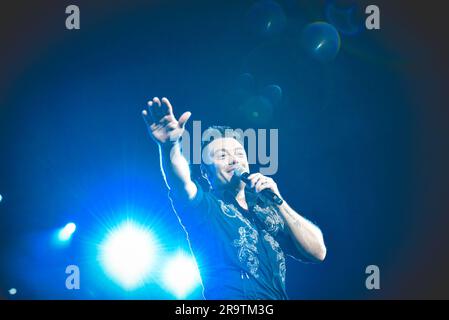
(232, 160)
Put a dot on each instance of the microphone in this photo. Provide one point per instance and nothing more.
(243, 175)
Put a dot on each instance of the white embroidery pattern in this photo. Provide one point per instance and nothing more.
(279, 254)
(247, 242)
(247, 249)
(272, 220)
(228, 209)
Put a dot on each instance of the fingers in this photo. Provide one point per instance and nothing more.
(254, 178)
(151, 125)
(152, 112)
(159, 109)
(157, 101)
(259, 182)
(162, 113)
(183, 119)
(266, 183)
(166, 106)
(154, 106)
(145, 117)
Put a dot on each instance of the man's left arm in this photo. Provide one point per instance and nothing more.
(306, 236)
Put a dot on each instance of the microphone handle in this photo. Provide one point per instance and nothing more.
(270, 195)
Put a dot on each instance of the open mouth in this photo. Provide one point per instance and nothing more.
(231, 170)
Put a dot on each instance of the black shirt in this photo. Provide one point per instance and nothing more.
(240, 253)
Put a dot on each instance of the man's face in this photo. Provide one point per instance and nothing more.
(222, 156)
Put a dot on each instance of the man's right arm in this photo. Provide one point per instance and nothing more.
(176, 171)
(166, 131)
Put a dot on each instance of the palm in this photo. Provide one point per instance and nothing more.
(162, 134)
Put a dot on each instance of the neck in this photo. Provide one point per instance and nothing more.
(240, 197)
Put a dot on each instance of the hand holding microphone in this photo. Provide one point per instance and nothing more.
(261, 184)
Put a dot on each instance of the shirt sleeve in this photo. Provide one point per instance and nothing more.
(194, 212)
(285, 241)
(279, 230)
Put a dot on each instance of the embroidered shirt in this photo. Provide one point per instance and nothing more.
(240, 253)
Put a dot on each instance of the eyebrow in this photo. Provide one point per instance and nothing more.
(225, 150)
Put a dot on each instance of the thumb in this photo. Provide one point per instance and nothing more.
(183, 119)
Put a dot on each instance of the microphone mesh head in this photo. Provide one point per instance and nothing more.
(239, 170)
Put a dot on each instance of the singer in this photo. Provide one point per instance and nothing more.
(238, 234)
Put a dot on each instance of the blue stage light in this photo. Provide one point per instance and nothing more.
(66, 233)
(127, 254)
(181, 275)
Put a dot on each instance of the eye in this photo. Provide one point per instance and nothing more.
(221, 155)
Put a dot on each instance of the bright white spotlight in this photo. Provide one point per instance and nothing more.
(127, 254)
(1, 198)
(181, 275)
(12, 291)
(66, 232)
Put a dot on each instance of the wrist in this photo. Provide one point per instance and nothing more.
(283, 206)
(168, 148)
(169, 145)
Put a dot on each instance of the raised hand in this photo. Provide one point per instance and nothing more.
(161, 122)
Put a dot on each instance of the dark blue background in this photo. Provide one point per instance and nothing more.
(362, 151)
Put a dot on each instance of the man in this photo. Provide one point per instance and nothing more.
(237, 236)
